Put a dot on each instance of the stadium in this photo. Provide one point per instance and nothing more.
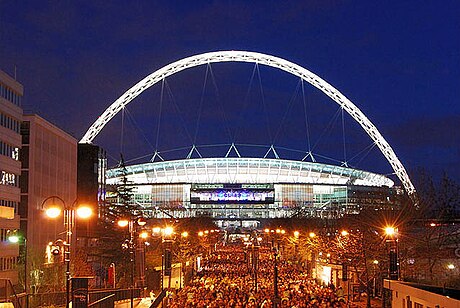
(243, 191)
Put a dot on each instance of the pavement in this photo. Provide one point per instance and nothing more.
(375, 302)
(144, 303)
(138, 303)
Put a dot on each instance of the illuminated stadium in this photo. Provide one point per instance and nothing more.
(250, 189)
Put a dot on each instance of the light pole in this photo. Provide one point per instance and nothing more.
(255, 260)
(275, 278)
(376, 263)
(53, 210)
(14, 238)
(392, 241)
(131, 224)
(166, 234)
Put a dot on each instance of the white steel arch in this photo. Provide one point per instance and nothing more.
(260, 58)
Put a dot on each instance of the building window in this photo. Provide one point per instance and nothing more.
(10, 123)
(9, 150)
(10, 95)
(9, 179)
(9, 203)
(8, 263)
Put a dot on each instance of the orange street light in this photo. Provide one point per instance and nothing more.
(168, 231)
(144, 235)
(123, 223)
(390, 231)
(71, 210)
(84, 212)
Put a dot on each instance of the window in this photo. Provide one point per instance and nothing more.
(9, 179)
(9, 150)
(9, 122)
(9, 94)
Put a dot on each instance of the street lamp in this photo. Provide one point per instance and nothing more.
(131, 224)
(392, 241)
(15, 238)
(275, 278)
(376, 263)
(53, 210)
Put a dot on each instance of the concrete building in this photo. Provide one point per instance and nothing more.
(400, 294)
(11, 93)
(49, 168)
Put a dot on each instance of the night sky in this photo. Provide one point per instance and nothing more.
(398, 61)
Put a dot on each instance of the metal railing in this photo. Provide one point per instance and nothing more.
(103, 298)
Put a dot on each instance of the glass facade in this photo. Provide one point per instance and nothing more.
(282, 200)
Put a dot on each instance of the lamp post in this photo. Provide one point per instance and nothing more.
(392, 241)
(54, 210)
(131, 224)
(376, 263)
(255, 260)
(15, 238)
(167, 234)
(275, 278)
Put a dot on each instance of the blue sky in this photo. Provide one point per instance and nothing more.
(398, 61)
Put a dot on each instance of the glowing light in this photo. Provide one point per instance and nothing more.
(141, 221)
(53, 212)
(84, 212)
(184, 234)
(283, 231)
(451, 266)
(144, 235)
(432, 224)
(168, 231)
(267, 230)
(259, 239)
(123, 223)
(201, 233)
(312, 234)
(344, 233)
(278, 231)
(13, 238)
(390, 231)
(375, 262)
(156, 230)
(296, 233)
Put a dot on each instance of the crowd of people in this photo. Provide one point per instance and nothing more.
(227, 279)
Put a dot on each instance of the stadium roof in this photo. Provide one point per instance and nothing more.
(246, 170)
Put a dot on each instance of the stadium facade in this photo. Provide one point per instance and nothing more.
(243, 191)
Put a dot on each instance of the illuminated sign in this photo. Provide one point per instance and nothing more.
(232, 196)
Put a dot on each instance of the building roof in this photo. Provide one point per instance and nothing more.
(247, 170)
